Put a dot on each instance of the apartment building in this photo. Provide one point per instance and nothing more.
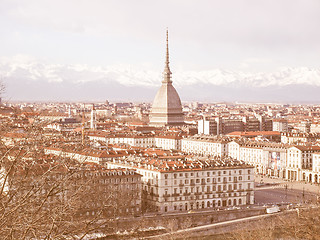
(300, 161)
(204, 145)
(185, 184)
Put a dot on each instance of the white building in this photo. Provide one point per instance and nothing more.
(208, 127)
(136, 140)
(299, 162)
(280, 125)
(181, 185)
(204, 145)
(168, 142)
(267, 158)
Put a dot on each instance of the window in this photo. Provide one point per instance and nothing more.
(166, 176)
(175, 175)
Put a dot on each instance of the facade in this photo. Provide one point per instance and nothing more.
(299, 161)
(168, 142)
(182, 185)
(280, 125)
(208, 127)
(221, 125)
(86, 154)
(204, 145)
(78, 190)
(166, 107)
(136, 140)
(267, 158)
(296, 138)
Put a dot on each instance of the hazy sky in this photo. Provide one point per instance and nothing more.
(246, 35)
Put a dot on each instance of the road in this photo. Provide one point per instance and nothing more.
(279, 194)
(211, 228)
(277, 191)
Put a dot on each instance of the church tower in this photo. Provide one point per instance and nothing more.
(166, 107)
(93, 118)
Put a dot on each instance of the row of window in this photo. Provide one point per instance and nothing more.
(208, 180)
(208, 204)
(208, 189)
(186, 175)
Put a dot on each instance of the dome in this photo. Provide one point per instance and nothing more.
(166, 107)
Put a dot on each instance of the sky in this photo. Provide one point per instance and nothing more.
(242, 36)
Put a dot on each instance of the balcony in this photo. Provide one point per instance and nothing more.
(175, 194)
(166, 195)
(181, 185)
(186, 194)
(197, 193)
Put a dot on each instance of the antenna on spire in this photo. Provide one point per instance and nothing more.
(167, 55)
(167, 73)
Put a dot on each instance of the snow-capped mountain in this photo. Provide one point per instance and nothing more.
(30, 79)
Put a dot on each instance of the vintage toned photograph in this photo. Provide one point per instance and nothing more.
(171, 119)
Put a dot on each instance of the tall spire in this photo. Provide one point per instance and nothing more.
(167, 73)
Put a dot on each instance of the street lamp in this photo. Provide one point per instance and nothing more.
(286, 188)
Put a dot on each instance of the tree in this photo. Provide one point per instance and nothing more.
(54, 197)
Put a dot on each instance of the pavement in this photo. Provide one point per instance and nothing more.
(303, 186)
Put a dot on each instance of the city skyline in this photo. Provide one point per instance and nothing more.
(114, 50)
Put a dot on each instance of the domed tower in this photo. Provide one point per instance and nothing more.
(166, 107)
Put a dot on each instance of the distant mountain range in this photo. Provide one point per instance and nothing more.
(33, 80)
